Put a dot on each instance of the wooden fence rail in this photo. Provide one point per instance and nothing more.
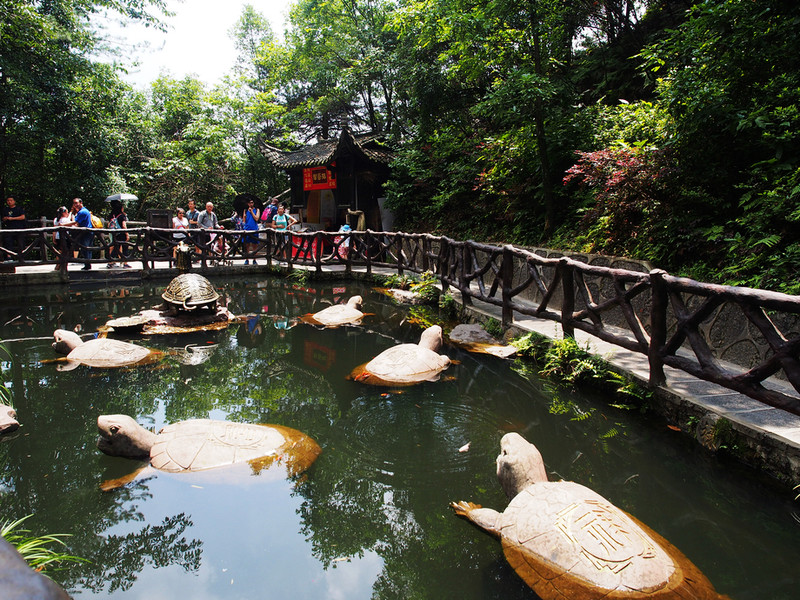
(737, 337)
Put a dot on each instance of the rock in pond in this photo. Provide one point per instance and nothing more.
(19, 582)
(474, 338)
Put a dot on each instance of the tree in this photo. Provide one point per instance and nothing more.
(57, 107)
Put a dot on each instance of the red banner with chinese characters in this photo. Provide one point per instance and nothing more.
(319, 178)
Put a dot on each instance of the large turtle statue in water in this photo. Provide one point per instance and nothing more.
(202, 444)
(338, 314)
(189, 292)
(406, 364)
(566, 541)
(103, 353)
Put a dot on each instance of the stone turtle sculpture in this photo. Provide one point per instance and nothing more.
(201, 444)
(337, 315)
(406, 364)
(566, 541)
(8, 419)
(190, 291)
(103, 353)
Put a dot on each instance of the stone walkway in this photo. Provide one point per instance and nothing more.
(765, 437)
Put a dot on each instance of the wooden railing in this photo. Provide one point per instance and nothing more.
(741, 338)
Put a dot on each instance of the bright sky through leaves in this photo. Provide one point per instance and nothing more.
(197, 42)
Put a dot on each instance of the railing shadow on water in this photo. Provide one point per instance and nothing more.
(741, 338)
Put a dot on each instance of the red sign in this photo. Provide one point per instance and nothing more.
(319, 178)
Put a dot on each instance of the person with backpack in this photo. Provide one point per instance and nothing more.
(83, 218)
(269, 212)
(118, 221)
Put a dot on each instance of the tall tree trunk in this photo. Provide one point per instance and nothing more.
(541, 137)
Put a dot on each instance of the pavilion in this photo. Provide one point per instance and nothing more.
(338, 181)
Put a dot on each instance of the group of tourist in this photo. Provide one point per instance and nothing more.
(251, 219)
(80, 216)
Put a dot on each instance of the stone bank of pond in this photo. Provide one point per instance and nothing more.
(370, 519)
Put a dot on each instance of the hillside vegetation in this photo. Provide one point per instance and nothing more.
(661, 130)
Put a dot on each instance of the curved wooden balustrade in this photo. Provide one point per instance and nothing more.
(675, 321)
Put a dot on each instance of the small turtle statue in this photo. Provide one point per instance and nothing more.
(103, 353)
(406, 364)
(337, 315)
(566, 541)
(8, 419)
(201, 444)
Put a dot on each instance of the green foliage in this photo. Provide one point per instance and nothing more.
(494, 328)
(36, 550)
(565, 361)
(299, 276)
(449, 308)
(427, 287)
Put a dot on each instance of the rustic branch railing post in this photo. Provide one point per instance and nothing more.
(146, 245)
(367, 248)
(426, 248)
(443, 258)
(463, 282)
(399, 241)
(317, 247)
(348, 257)
(42, 243)
(63, 248)
(268, 247)
(568, 296)
(658, 326)
(507, 276)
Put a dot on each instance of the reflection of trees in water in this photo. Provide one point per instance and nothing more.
(118, 561)
(352, 502)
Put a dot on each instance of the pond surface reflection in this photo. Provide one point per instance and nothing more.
(370, 519)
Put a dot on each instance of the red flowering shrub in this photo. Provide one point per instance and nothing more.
(627, 186)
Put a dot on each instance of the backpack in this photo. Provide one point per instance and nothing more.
(97, 222)
(268, 213)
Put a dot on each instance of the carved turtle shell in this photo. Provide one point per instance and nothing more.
(566, 541)
(190, 291)
(337, 315)
(405, 364)
(128, 324)
(201, 444)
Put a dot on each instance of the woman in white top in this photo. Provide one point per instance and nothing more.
(180, 222)
(63, 219)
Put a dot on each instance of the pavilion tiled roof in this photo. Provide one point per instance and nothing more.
(323, 152)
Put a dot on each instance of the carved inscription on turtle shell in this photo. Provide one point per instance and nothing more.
(242, 436)
(605, 537)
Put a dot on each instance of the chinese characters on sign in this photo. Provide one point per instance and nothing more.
(319, 178)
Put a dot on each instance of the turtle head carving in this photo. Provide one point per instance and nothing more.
(8, 419)
(65, 341)
(431, 338)
(120, 435)
(355, 302)
(519, 464)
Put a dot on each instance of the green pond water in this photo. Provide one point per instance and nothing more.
(370, 519)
